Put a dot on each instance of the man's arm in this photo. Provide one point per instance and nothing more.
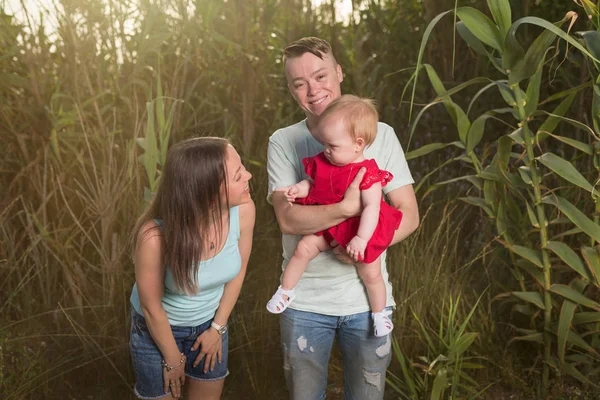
(304, 220)
(404, 199)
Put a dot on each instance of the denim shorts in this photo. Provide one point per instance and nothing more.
(146, 357)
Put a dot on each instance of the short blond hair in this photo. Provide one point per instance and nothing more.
(309, 44)
(358, 113)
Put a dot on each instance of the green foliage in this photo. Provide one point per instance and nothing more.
(89, 106)
(444, 372)
(527, 186)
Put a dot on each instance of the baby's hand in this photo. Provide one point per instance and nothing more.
(290, 192)
(356, 248)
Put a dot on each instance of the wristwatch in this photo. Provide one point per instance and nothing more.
(220, 328)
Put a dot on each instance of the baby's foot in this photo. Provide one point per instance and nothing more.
(382, 324)
(280, 300)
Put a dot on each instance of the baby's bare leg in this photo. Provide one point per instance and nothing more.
(373, 280)
(308, 248)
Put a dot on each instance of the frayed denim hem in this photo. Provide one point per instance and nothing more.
(139, 396)
(210, 379)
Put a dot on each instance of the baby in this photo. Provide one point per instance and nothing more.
(345, 128)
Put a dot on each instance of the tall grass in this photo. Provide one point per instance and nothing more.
(72, 104)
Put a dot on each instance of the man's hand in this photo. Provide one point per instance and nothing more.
(290, 192)
(341, 254)
(351, 203)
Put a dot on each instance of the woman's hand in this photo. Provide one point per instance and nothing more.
(174, 378)
(211, 346)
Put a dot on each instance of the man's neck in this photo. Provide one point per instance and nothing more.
(311, 123)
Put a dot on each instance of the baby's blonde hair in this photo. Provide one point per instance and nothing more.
(358, 113)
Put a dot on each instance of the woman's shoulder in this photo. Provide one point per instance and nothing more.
(247, 212)
(150, 235)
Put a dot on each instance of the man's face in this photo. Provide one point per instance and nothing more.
(314, 83)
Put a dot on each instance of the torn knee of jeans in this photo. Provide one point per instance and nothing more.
(373, 378)
(302, 343)
(383, 350)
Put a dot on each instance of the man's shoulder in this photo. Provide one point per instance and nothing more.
(386, 136)
(290, 132)
(384, 129)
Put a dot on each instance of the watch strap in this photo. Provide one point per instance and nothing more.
(220, 328)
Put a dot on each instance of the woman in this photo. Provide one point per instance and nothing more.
(191, 250)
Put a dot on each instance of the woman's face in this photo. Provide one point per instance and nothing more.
(237, 179)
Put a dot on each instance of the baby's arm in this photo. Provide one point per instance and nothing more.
(299, 190)
(371, 199)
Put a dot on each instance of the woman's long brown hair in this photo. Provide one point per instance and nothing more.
(188, 201)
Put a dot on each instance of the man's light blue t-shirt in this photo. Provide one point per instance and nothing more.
(328, 286)
(213, 274)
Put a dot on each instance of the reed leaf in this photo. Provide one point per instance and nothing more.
(530, 255)
(475, 133)
(564, 327)
(517, 136)
(572, 213)
(502, 222)
(424, 41)
(457, 114)
(429, 148)
(479, 202)
(596, 108)
(543, 134)
(532, 217)
(565, 253)
(529, 61)
(481, 26)
(443, 94)
(571, 370)
(592, 43)
(533, 60)
(481, 92)
(583, 147)
(587, 317)
(471, 39)
(532, 337)
(533, 89)
(463, 343)
(535, 272)
(565, 169)
(534, 298)
(573, 295)
(150, 157)
(439, 384)
(592, 259)
(501, 12)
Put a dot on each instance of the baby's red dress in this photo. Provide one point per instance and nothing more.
(329, 186)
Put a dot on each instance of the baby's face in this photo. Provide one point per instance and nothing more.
(340, 147)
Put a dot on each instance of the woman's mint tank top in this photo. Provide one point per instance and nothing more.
(213, 274)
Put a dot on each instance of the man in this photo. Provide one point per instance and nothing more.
(330, 297)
